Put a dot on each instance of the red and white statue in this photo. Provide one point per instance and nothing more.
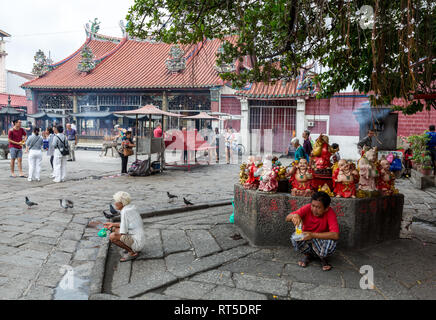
(300, 177)
(345, 178)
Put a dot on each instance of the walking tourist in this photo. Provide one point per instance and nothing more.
(50, 150)
(72, 142)
(60, 146)
(125, 149)
(320, 229)
(217, 144)
(129, 232)
(229, 137)
(16, 138)
(307, 145)
(34, 148)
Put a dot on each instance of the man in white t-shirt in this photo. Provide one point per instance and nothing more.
(129, 233)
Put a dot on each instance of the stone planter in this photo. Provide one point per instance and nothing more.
(426, 172)
(421, 181)
(362, 222)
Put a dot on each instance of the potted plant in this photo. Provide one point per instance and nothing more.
(421, 159)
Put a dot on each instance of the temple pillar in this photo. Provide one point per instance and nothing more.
(165, 108)
(300, 119)
(245, 132)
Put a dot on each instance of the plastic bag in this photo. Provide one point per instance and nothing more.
(298, 234)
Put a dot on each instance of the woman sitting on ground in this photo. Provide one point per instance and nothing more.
(129, 233)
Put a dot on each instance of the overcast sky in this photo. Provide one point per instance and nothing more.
(54, 25)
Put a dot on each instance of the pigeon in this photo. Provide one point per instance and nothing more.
(236, 236)
(171, 196)
(109, 215)
(30, 203)
(113, 210)
(187, 202)
(65, 203)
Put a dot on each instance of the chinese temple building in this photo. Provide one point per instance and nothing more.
(108, 74)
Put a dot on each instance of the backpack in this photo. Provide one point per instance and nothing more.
(64, 149)
(396, 165)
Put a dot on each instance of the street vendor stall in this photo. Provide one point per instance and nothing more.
(146, 143)
(189, 141)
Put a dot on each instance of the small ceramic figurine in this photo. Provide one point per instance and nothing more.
(325, 188)
(301, 179)
(243, 174)
(268, 178)
(368, 173)
(252, 181)
(344, 180)
(386, 179)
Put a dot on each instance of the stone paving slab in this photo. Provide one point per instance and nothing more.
(37, 242)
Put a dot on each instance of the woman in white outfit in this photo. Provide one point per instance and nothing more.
(128, 234)
(50, 151)
(59, 160)
(34, 148)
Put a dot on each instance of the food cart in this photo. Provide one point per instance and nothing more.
(146, 143)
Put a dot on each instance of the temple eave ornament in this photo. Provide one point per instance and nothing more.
(177, 62)
(225, 68)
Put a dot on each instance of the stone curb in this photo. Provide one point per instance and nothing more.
(172, 210)
(98, 271)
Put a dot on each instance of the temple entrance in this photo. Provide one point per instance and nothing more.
(271, 128)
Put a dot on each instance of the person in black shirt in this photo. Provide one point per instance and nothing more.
(126, 144)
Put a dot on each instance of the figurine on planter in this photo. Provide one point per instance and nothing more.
(268, 178)
(322, 152)
(344, 180)
(301, 179)
(368, 174)
(386, 179)
(252, 181)
(243, 176)
(325, 188)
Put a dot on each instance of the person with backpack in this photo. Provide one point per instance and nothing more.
(61, 151)
(33, 147)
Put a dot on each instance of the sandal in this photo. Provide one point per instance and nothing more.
(304, 261)
(325, 265)
(128, 257)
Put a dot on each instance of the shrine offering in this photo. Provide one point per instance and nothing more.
(243, 174)
(368, 174)
(325, 188)
(345, 179)
(252, 181)
(268, 178)
(386, 179)
(322, 153)
(298, 234)
(301, 179)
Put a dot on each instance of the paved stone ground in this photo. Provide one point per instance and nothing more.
(190, 255)
(38, 244)
(193, 256)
